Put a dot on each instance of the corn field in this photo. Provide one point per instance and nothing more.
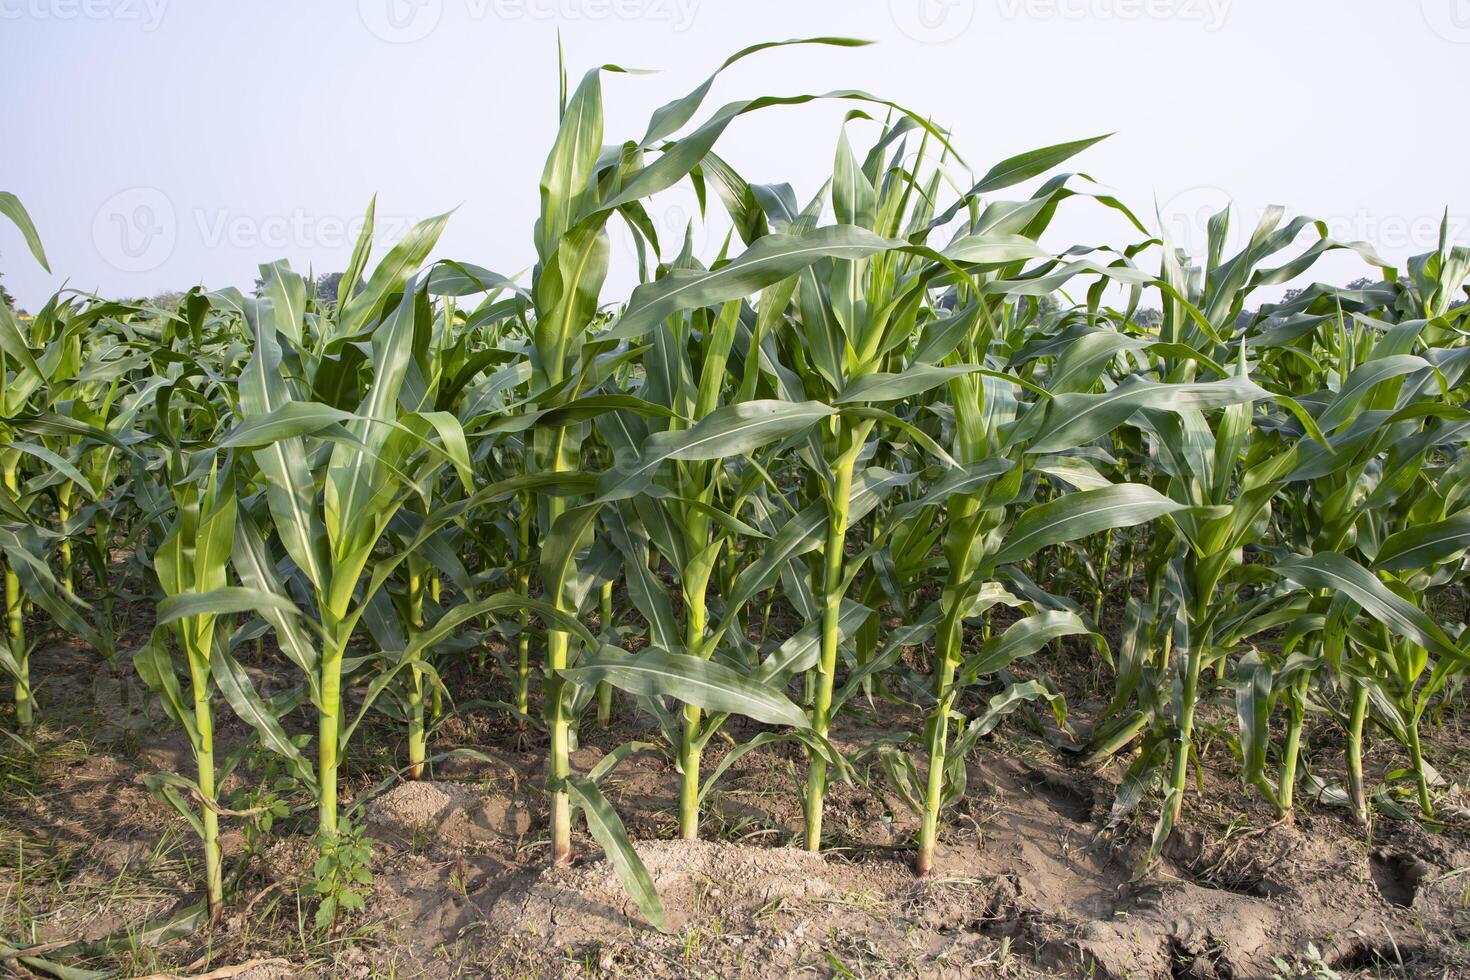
(879, 455)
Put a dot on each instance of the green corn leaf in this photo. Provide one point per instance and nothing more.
(156, 668)
(608, 830)
(1075, 419)
(390, 276)
(800, 651)
(729, 431)
(1253, 714)
(224, 600)
(289, 420)
(705, 683)
(1424, 546)
(1340, 574)
(893, 387)
(769, 260)
(235, 685)
(11, 207)
(1076, 515)
(1022, 639)
(1024, 166)
(1346, 405)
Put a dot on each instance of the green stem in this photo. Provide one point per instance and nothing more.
(560, 750)
(523, 639)
(15, 622)
(416, 724)
(1189, 693)
(1421, 779)
(204, 755)
(1126, 578)
(416, 586)
(1100, 592)
(101, 536)
(63, 516)
(1356, 716)
(1204, 587)
(689, 744)
(16, 630)
(558, 643)
(1166, 651)
(833, 560)
(329, 725)
(604, 689)
(1297, 705)
(936, 732)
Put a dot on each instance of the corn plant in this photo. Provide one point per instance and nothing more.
(192, 564)
(1227, 469)
(24, 375)
(330, 506)
(33, 475)
(582, 187)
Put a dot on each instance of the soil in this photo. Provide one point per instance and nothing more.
(1028, 881)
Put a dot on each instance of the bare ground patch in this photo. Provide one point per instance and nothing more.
(1028, 884)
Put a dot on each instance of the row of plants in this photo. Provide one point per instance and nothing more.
(884, 448)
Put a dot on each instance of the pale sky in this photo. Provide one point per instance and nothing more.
(163, 143)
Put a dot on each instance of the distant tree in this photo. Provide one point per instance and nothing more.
(326, 287)
(167, 300)
(1362, 282)
(5, 295)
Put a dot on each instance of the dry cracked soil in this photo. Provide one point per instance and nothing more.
(1029, 882)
